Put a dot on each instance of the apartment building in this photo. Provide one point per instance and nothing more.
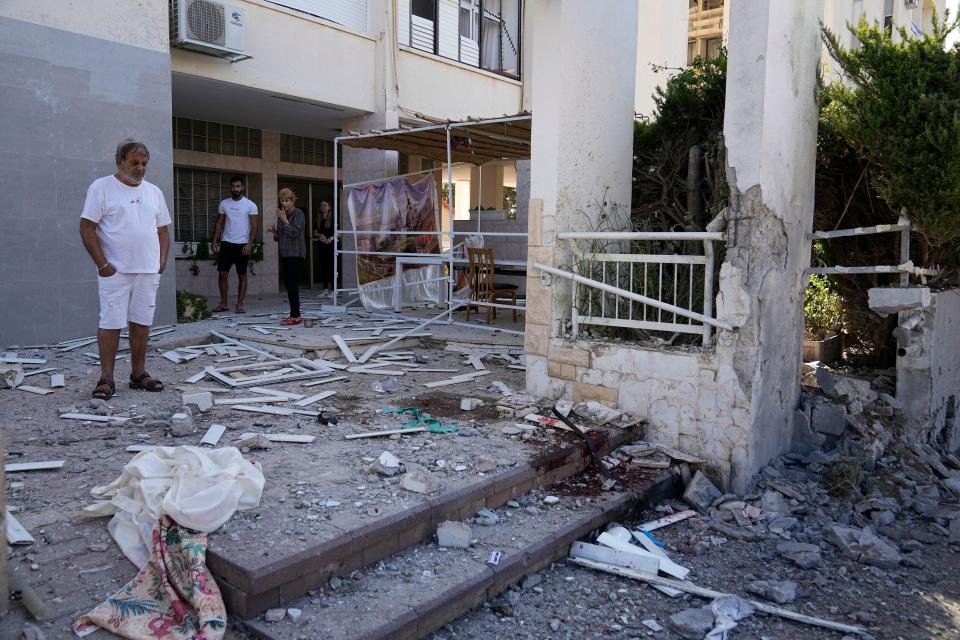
(709, 21)
(218, 87)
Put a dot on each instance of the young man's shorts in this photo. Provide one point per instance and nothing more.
(127, 297)
(232, 253)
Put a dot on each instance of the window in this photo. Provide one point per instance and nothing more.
(888, 16)
(301, 150)
(196, 196)
(479, 33)
(352, 14)
(691, 51)
(216, 137)
(713, 48)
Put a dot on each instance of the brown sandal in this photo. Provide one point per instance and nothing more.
(105, 389)
(145, 382)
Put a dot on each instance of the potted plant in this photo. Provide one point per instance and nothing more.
(823, 310)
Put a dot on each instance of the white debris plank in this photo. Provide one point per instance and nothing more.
(212, 436)
(466, 377)
(324, 381)
(249, 400)
(437, 370)
(172, 356)
(390, 432)
(279, 393)
(516, 367)
(372, 349)
(32, 466)
(36, 372)
(667, 520)
(306, 402)
(378, 372)
(713, 595)
(291, 377)
(91, 418)
(645, 562)
(305, 412)
(57, 381)
(347, 353)
(214, 373)
(667, 565)
(78, 344)
(332, 365)
(197, 377)
(474, 359)
(277, 411)
(281, 437)
(16, 533)
(12, 358)
(40, 391)
(138, 448)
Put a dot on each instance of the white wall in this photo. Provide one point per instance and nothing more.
(446, 89)
(662, 40)
(137, 24)
(295, 54)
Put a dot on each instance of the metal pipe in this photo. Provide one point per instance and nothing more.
(640, 235)
(707, 288)
(662, 306)
(452, 283)
(336, 221)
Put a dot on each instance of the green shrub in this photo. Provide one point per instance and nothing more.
(823, 309)
(191, 307)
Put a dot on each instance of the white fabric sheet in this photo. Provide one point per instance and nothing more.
(199, 488)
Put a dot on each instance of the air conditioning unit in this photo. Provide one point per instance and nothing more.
(912, 3)
(204, 26)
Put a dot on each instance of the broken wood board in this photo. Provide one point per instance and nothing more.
(11, 467)
(281, 437)
(12, 358)
(645, 562)
(91, 418)
(306, 402)
(667, 520)
(378, 372)
(466, 377)
(545, 421)
(16, 533)
(390, 432)
(713, 595)
(212, 436)
(474, 360)
(40, 391)
(197, 377)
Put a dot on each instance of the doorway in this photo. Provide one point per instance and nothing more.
(309, 196)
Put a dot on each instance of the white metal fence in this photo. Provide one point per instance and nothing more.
(666, 292)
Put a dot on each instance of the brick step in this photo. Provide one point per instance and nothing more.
(416, 591)
(253, 582)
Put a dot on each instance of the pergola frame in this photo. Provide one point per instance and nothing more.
(473, 141)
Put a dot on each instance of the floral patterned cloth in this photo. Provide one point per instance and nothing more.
(173, 597)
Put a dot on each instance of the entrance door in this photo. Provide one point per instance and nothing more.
(309, 196)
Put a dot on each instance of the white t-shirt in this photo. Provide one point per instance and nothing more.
(127, 219)
(238, 212)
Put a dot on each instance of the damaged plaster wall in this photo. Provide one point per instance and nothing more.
(928, 371)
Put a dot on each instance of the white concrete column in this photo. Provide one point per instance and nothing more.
(662, 28)
(584, 63)
(368, 164)
(770, 130)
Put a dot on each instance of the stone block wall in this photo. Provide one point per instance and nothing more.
(928, 371)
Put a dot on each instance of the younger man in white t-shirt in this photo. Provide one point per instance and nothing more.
(237, 223)
(124, 229)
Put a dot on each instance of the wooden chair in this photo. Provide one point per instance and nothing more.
(482, 286)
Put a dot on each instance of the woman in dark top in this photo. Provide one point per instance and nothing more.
(289, 232)
(325, 254)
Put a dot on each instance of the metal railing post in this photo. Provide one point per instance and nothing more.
(336, 224)
(904, 255)
(707, 289)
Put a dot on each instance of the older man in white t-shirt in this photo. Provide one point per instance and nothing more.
(124, 229)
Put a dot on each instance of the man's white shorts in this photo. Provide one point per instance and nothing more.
(127, 297)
